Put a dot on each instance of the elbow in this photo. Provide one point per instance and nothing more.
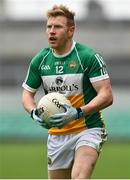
(110, 100)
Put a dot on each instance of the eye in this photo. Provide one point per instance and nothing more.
(58, 26)
(49, 26)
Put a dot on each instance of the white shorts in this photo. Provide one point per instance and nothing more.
(61, 148)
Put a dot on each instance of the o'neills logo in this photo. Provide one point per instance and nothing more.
(59, 80)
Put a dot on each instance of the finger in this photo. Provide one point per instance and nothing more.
(45, 125)
(57, 116)
(64, 106)
(60, 125)
(39, 111)
(56, 121)
(40, 120)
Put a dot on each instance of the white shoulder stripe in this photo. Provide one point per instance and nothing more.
(99, 78)
(79, 58)
(101, 63)
(44, 58)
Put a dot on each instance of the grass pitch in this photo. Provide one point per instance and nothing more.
(28, 161)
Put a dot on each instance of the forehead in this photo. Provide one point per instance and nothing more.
(57, 20)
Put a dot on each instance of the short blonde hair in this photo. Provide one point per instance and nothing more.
(62, 10)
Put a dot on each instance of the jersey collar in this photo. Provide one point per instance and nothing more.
(66, 54)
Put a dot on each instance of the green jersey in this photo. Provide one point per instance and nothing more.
(71, 74)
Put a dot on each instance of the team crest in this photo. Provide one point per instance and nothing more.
(72, 65)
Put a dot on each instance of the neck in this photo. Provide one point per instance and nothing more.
(63, 49)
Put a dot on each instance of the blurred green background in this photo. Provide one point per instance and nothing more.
(101, 24)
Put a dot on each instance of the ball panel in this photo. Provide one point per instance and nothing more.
(50, 105)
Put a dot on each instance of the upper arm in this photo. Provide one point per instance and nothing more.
(103, 87)
(99, 77)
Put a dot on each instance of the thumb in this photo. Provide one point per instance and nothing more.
(65, 106)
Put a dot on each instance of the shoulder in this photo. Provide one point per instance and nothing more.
(88, 54)
(84, 50)
(85, 55)
(39, 57)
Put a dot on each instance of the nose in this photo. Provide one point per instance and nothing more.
(52, 29)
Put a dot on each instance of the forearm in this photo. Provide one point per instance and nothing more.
(29, 106)
(28, 101)
(98, 103)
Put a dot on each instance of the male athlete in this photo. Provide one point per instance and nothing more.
(68, 67)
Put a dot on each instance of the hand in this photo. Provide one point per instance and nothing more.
(35, 113)
(61, 119)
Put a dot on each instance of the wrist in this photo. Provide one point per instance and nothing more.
(80, 112)
(31, 113)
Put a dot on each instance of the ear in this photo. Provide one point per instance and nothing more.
(71, 30)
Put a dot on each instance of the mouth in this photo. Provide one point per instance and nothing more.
(52, 39)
